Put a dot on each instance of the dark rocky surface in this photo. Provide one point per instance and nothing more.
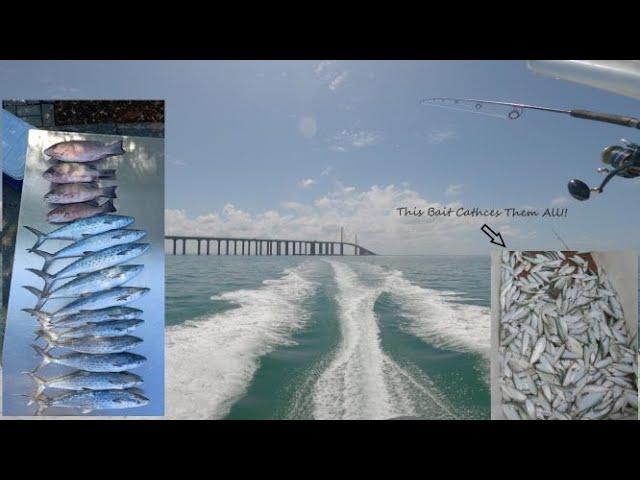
(69, 112)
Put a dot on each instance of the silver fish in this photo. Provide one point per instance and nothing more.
(97, 345)
(69, 193)
(83, 228)
(114, 297)
(76, 211)
(112, 328)
(538, 350)
(92, 244)
(75, 172)
(109, 257)
(91, 400)
(81, 380)
(86, 284)
(85, 318)
(84, 150)
(565, 352)
(108, 362)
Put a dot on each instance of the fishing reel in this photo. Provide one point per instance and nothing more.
(625, 161)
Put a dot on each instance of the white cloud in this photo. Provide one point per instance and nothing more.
(329, 74)
(371, 213)
(323, 65)
(346, 139)
(306, 183)
(453, 190)
(440, 136)
(338, 80)
(292, 206)
(326, 171)
(558, 201)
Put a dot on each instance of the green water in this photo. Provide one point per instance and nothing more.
(293, 337)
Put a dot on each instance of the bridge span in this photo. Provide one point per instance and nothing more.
(264, 247)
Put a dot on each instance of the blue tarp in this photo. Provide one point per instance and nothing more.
(14, 145)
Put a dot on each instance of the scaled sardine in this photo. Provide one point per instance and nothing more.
(83, 228)
(81, 380)
(566, 351)
(108, 362)
(75, 172)
(90, 400)
(84, 150)
(66, 193)
(86, 318)
(108, 257)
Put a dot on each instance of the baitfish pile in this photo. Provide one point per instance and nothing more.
(564, 348)
(93, 333)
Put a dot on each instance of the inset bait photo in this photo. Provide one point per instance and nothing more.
(564, 335)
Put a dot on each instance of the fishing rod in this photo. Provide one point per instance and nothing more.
(518, 108)
(625, 159)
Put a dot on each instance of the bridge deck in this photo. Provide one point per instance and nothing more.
(265, 246)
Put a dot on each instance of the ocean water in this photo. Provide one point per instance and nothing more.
(327, 337)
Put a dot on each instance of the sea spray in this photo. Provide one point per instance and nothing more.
(362, 381)
(438, 320)
(212, 360)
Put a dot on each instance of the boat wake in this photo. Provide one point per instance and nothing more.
(211, 361)
(438, 320)
(361, 381)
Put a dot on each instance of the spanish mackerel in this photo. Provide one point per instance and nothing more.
(114, 297)
(108, 257)
(87, 284)
(107, 362)
(96, 345)
(81, 380)
(83, 228)
(112, 328)
(91, 400)
(92, 244)
(86, 317)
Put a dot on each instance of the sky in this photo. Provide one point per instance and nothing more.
(296, 149)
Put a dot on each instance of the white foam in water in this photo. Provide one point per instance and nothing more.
(361, 381)
(438, 320)
(211, 361)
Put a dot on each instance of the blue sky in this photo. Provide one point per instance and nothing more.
(297, 148)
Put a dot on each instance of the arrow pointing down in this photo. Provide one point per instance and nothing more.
(495, 237)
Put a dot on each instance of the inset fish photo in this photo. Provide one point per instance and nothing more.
(564, 335)
(85, 315)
